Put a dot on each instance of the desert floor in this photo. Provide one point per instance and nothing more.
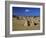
(22, 24)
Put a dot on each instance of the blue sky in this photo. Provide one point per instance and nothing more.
(24, 11)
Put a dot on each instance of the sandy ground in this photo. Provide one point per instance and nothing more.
(22, 24)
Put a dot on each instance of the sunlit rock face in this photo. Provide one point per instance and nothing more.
(31, 21)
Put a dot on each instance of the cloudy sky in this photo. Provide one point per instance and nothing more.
(24, 11)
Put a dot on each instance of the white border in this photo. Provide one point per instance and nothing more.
(28, 31)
